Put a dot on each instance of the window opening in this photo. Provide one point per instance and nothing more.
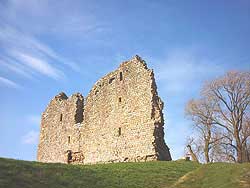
(111, 80)
(68, 139)
(120, 131)
(121, 76)
(69, 156)
(120, 99)
(61, 116)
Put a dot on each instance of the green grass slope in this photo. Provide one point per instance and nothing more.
(24, 174)
(177, 174)
(217, 175)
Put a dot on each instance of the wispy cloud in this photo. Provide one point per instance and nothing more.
(34, 119)
(75, 21)
(39, 65)
(24, 55)
(31, 137)
(23, 50)
(8, 83)
(10, 37)
(182, 69)
(15, 67)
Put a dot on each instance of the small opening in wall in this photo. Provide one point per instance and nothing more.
(121, 76)
(69, 156)
(68, 139)
(119, 131)
(120, 99)
(96, 92)
(61, 116)
(111, 80)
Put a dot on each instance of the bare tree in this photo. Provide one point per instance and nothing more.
(201, 112)
(194, 149)
(222, 152)
(222, 117)
(231, 94)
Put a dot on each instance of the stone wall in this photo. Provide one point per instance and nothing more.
(59, 128)
(121, 120)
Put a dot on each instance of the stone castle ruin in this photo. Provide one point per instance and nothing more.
(120, 120)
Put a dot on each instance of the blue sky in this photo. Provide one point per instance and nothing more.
(52, 46)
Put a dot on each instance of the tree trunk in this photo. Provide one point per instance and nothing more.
(245, 154)
(207, 142)
(206, 151)
(193, 155)
(239, 146)
(239, 154)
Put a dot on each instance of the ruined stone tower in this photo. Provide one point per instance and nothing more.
(120, 120)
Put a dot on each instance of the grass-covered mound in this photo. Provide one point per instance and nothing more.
(177, 174)
(217, 175)
(24, 174)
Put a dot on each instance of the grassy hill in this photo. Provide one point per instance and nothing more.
(221, 175)
(15, 173)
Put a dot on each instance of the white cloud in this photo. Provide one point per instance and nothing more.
(65, 18)
(26, 56)
(15, 67)
(183, 69)
(8, 83)
(34, 119)
(19, 41)
(38, 65)
(31, 137)
(21, 36)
